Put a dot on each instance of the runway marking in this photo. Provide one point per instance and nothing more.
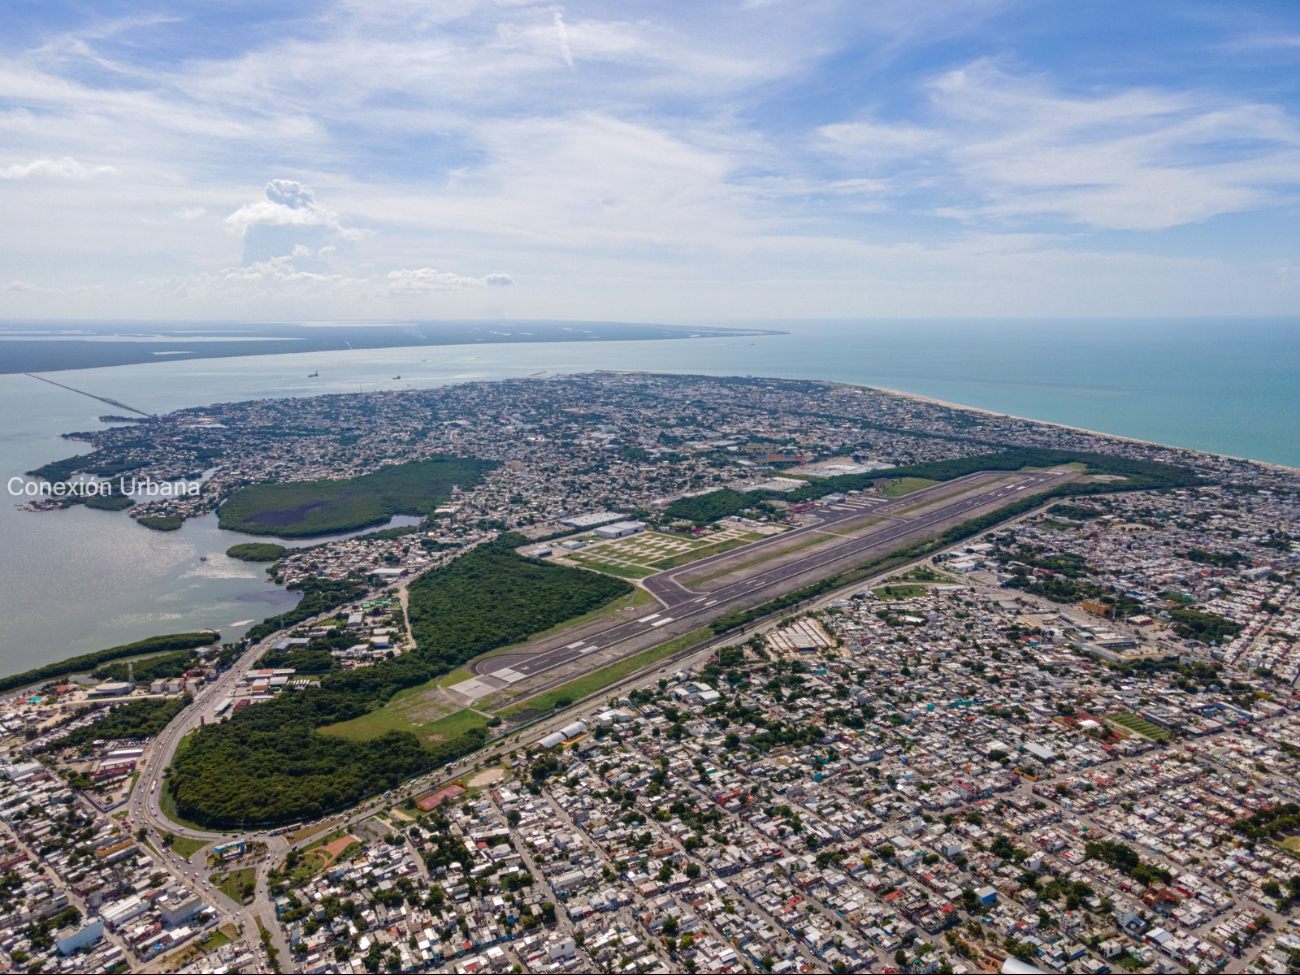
(507, 674)
(647, 619)
(575, 644)
(588, 650)
(666, 619)
(710, 602)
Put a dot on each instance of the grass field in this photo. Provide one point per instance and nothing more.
(1142, 727)
(900, 591)
(301, 509)
(234, 882)
(590, 683)
(806, 542)
(905, 485)
(297, 836)
(427, 720)
(185, 847)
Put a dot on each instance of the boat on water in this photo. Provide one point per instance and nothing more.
(398, 376)
(313, 375)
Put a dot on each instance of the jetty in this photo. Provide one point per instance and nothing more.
(102, 399)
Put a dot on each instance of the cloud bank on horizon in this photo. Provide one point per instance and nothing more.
(654, 161)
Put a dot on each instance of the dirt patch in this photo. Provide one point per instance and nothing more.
(487, 777)
(339, 845)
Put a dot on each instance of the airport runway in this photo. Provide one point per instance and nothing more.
(682, 610)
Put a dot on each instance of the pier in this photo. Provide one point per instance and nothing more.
(102, 399)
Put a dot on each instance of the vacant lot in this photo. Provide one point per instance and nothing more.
(423, 713)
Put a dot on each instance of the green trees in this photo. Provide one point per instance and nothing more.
(270, 764)
(1124, 859)
(492, 597)
(137, 719)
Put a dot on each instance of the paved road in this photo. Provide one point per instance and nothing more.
(682, 610)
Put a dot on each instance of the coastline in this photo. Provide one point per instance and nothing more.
(902, 394)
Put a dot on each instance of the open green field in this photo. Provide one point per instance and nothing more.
(235, 882)
(896, 590)
(413, 717)
(1073, 465)
(622, 570)
(775, 552)
(590, 683)
(185, 847)
(898, 487)
(301, 509)
(1142, 727)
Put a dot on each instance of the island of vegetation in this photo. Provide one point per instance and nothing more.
(256, 551)
(272, 764)
(162, 523)
(303, 509)
(87, 662)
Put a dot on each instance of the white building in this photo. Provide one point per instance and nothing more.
(620, 529)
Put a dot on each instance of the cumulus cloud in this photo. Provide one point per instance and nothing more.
(191, 213)
(286, 204)
(421, 280)
(65, 168)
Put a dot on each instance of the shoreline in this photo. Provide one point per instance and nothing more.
(902, 394)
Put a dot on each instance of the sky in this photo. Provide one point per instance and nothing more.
(669, 161)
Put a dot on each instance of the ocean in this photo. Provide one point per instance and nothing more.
(81, 580)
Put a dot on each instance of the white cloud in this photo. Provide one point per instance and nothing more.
(562, 33)
(65, 168)
(287, 204)
(425, 279)
(191, 213)
(1006, 148)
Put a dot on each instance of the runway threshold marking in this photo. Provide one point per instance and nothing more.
(666, 619)
(647, 619)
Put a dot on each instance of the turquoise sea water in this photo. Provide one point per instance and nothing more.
(81, 580)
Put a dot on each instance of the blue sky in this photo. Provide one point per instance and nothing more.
(701, 161)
